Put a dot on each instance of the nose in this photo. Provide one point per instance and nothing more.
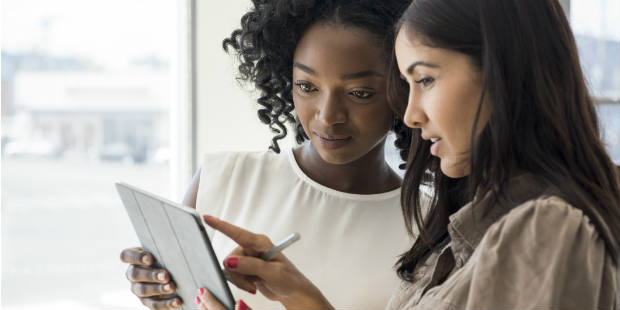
(414, 114)
(331, 111)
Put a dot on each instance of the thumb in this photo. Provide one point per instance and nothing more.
(240, 305)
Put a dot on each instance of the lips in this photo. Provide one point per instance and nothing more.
(435, 146)
(436, 142)
(431, 138)
(331, 137)
(331, 141)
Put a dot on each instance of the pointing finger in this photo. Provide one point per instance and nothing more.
(244, 238)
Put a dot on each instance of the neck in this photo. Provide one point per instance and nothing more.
(369, 174)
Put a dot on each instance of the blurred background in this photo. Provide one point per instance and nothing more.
(99, 91)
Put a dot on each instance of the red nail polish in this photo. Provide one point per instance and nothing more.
(197, 300)
(242, 305)
(232, 262)
(201, 291)
(253, 292)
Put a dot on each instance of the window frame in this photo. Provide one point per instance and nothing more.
(183, 104)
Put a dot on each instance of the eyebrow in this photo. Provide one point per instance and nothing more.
(421, 63)
(350, 76)
(304, 68)
(361, 74)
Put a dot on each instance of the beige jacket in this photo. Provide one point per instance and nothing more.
(541, 254)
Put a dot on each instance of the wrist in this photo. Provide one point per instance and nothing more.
(311, 299)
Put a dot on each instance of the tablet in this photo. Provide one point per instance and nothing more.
(173, 233)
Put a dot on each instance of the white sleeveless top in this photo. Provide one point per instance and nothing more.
(349, 242)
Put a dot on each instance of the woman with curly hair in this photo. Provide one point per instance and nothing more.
(321, 68)
(526, 206)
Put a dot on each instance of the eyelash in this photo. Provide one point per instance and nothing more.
(302, 85)
(360, 94)
(425, 81)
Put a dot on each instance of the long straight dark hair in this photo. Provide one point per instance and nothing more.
(542, 118)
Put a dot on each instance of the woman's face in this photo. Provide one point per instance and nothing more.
(339, 91)
(444, 94)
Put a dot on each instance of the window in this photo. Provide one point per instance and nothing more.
(596, 25)
(87, 88)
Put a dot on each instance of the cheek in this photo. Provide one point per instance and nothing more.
(303, 109)
(454, 113)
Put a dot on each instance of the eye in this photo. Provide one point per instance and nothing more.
(362, 94)
(427, 81)
(305, 87)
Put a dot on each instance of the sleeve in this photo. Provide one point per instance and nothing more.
(215, 186)
(545, 254)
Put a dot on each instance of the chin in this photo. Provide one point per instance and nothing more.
(454, 170)
(338, 157)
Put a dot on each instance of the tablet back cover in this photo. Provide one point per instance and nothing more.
(177, 239)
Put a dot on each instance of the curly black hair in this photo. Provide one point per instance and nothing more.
(266, 43)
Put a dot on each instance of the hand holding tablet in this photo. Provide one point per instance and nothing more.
(175, 237)
(180, 249)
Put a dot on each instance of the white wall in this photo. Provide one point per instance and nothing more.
(226, 113)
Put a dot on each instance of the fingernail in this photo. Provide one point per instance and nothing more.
(161, 276)
(146, 259)
(242, 305)
(167, 287)
(207, 217)
(253, 292)
(232, 262)
(198, 300)
(176, 303)
(201, 291)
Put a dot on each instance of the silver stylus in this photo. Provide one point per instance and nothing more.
(281, 246)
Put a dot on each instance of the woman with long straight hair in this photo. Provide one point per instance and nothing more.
(503, 120)
(526, 206)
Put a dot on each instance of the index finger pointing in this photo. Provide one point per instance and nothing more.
(244, 238)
